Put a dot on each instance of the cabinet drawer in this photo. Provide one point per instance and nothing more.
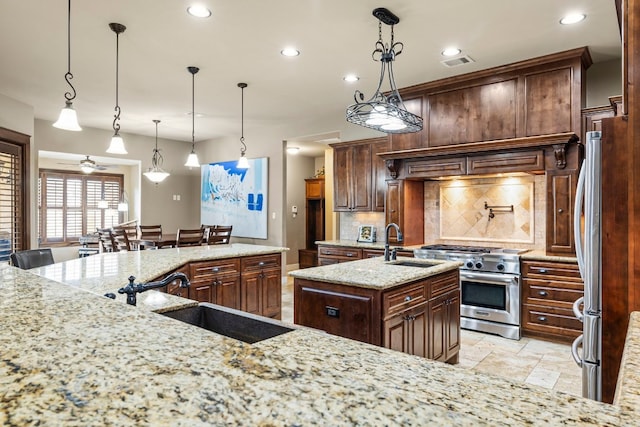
(372, 253)
(328, 261)
(205, 271)
(256, 263)
(441, 285)
(543, 270)
(545, 293)
(401, 299)
(339, 252)
(552, 320)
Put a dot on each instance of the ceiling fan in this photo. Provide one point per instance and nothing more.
(87, 165)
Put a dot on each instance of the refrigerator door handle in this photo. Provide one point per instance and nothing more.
(577, 215)
(576, 309)
(574, 350)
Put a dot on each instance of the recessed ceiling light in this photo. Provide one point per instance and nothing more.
(573, 18)
(290, 51)
(199, 11)
(293, 150)
(451, 51)
(351, 78)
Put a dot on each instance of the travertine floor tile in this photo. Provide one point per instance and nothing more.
(543, 377)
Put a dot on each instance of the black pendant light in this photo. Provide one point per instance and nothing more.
(117, 143)
(192, 160)
(243, 162)
(68, 119)
(384, 112)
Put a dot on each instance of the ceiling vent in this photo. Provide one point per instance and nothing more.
(454, 62)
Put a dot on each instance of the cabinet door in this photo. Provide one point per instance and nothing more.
(361, 176)
(341, 178)
(202, 292)
(251, 293)
(561, 185)
(405, 207)
(438, 328)
(395, 333)
(408, 141)
(271, 293)
(227, 290)
(174, 288)
(392, 211)
(378, 174)
(453, 324)
(418, 331)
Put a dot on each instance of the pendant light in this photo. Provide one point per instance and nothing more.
(68, 119)
(117, 143)
(192, 160)
(155, 172)
(384, 112)
(243, 163)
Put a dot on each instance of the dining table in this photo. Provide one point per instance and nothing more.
(164, 241)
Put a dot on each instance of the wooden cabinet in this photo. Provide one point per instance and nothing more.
(420, 318)
(405, 207)
(217, 282)
(561, 186)
(359, 175)
(405, 141)
(261, 287)
(174, 288)
(335, 254)
(548, 292)
(314, 222)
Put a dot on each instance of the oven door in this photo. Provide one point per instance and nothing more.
(493, 297)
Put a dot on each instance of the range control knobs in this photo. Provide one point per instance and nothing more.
(469, 264)
(478, 265)
(500, 267)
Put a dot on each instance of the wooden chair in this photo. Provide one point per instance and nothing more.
(121, 240)
(131, 231)
(106, 240)
(188, 237)
(219, 234)
(150, 232)
(32, 258)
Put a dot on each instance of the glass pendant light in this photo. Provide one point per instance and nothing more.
(384, 112)
(68, 119)
(192, 160)
(155, 172)
(117, 143)
(243, 163)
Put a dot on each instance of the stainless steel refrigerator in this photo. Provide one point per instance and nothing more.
(588, 236)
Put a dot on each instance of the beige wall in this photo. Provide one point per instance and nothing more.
(604, 79)
(298, 169)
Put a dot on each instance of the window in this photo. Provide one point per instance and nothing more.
(70, 204)
(14, 193)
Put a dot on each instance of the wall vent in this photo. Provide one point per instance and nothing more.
(454, 62)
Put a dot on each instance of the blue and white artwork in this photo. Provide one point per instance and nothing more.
(237, 197)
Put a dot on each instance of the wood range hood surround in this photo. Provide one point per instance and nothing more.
(520, 117)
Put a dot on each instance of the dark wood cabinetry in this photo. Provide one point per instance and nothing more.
(561, 185)
(314, 221)
(548, 292)
(174, 288)
(261, 287)
(335, 254)
(405, 207)
(420, 318)
(359, 175)
(217, 282)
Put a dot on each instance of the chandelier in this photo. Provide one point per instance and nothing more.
(384, 112)
(155, 172)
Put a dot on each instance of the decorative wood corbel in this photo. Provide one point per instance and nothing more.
(393, 165)
(560, 152)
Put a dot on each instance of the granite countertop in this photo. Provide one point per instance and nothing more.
(362, 245)
(375, 273)
(71, 357)
(540, 255)
(106, 273)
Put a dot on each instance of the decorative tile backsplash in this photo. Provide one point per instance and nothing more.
(454, 213)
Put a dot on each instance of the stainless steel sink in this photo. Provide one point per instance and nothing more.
(415, 264)
(231, 323)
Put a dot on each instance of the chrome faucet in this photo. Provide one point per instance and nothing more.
(387, 255)
(135, 288)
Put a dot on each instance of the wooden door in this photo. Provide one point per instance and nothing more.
(341, 178)
(202, 292)
(227, 292)
(437, 328)
(251, 292)
(453, 324)
(361, 177)
(395, 333)
(417, 330)
(378, 174)
(561, 185)
(271, 284)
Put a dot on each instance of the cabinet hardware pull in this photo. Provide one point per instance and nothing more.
(407, 298)
(349, 254)
(543, 271)
(215, 269)
(543, 293)
(261, 263)
(542, 318)
(560, 210)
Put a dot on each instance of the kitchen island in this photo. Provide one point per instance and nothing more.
(71, 357)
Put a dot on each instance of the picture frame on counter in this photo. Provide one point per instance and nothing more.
(366, 234)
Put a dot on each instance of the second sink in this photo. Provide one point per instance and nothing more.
(231, 323)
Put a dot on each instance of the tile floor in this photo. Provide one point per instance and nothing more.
(532, 361)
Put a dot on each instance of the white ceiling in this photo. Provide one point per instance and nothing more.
(241, 42)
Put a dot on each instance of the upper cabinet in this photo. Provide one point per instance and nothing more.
(540, 96)
(359, 175)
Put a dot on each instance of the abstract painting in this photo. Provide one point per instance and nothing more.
(237, 197)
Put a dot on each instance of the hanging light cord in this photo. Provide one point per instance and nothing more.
(69, 96)
(243, 149)
(193, 111)
(156, 159)
(116, 117)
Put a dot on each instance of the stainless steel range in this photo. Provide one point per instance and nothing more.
(489, 285)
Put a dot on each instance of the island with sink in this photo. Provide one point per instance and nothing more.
(405, 304)
(70, 356)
